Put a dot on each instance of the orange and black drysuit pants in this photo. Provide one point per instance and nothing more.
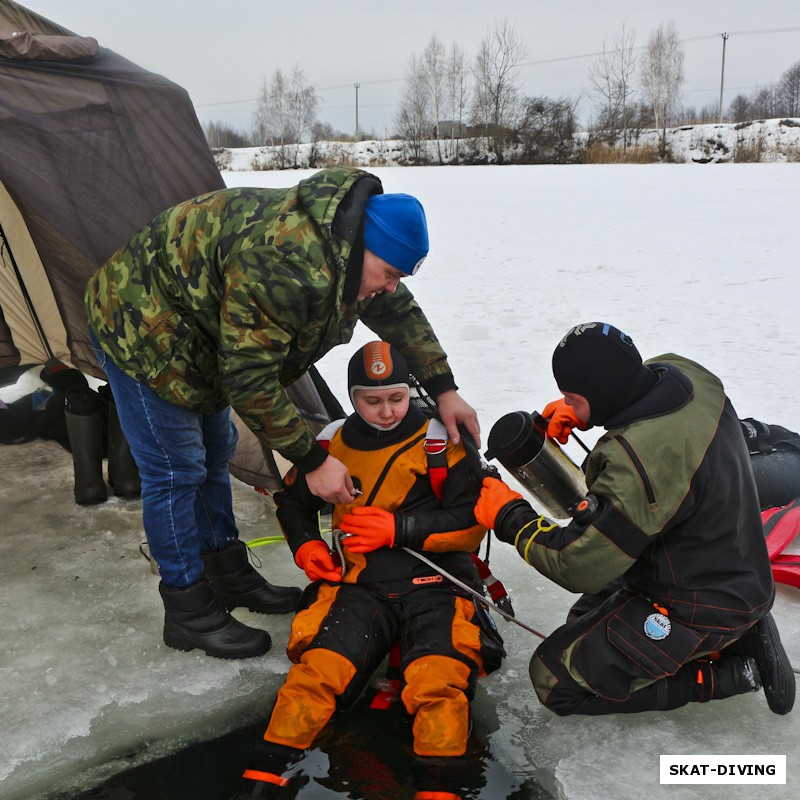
(338, 641)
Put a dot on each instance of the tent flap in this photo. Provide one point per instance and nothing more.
(46, 47)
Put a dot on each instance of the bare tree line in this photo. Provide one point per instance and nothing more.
(620, 109)
(781, 99)
(286, 111)
(457, 108)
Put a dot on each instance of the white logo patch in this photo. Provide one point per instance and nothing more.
(378, 369)
(657, 626)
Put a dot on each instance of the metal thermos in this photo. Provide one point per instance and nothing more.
(519, 442)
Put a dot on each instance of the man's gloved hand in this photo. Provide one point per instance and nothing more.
(315, 559)
(369, 529)
(562, 420)
(493, 497)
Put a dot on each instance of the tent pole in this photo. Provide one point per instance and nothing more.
(5, 244)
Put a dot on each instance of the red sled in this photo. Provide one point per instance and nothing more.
(781, 527)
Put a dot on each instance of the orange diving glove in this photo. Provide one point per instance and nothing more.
(369, 529)
(316, 561)
(494, 495)
(562, 420)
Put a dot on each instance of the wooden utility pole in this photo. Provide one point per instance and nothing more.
(356, 85)
(722, 76)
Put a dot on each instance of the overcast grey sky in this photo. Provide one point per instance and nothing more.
(222, 50)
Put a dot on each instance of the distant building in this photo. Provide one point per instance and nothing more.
(450, 129)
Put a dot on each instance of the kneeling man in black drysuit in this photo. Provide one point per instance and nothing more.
(668, 546)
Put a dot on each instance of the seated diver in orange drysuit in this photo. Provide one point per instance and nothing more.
(353, 613)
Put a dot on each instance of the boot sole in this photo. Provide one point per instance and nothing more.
(777, 675)
(95, 500)
(92, 496)
(187, 645)
(287, 605)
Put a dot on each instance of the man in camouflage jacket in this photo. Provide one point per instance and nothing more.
(222, 301)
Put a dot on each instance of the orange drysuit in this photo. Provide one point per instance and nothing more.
(346, 629)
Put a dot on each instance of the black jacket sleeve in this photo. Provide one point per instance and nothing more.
(449, 525)
(298, 510)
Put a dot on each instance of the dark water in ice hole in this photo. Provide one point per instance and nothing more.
(363, 755)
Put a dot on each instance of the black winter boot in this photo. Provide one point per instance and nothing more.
(123, 475)
(237, 584)
(763, 643)
(84, 416)
(193, 618)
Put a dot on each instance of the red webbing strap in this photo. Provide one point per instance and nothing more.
(435, 447)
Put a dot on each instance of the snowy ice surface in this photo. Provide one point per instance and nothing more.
(698, 260)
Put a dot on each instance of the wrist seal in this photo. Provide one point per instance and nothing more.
(511, 517)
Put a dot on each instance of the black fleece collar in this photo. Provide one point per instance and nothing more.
(672, 390)
(348, 224)
(360, 436)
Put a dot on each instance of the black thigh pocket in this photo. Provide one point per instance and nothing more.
(657, 643)
(626, 646)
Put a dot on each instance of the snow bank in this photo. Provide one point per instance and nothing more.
(774, 140)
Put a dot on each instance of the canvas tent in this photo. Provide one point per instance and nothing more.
(92, 147)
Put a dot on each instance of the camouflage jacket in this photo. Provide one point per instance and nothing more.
(229, 297)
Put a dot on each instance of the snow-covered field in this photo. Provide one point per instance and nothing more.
(697, 260)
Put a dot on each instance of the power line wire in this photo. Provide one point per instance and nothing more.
(765, 30)
(524, 63)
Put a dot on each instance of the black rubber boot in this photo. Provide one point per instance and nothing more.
(725, 677)
(123, 474)
(436, 777)
(763, 643)
(194, 619)
(237, 584)
(268, 770)
(84, 417)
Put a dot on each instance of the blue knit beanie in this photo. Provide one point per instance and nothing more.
(396, 231)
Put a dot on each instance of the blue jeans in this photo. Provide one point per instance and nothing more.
(182, 456)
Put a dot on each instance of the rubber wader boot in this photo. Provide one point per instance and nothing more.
(269, 766)
(194, 619)
(237, 583)
(84, 417)
(438, 778)
(123, 475)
